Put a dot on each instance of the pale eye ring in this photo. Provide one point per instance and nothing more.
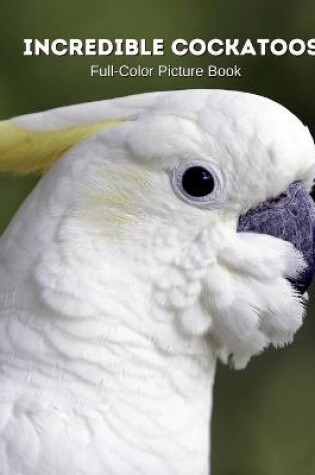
(197, 182)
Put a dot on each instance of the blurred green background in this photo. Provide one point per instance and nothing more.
(264, 417)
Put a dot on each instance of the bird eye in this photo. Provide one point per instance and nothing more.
(196, 182)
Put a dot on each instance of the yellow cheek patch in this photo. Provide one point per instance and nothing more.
(121, 200)
(29, 151)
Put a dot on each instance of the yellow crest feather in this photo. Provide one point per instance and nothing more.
(29, 151)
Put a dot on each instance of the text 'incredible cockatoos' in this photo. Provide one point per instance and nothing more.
(171, 228)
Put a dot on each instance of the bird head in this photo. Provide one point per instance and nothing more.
(204, 194)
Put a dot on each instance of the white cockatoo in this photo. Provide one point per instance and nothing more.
(171, 228)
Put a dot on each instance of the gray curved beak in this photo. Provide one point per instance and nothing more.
(291, 217)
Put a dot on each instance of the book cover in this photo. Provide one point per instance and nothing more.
(56, 54)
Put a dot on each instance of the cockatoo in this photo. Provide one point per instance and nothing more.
(170, 229)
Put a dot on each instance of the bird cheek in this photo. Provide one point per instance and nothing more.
(249, 298)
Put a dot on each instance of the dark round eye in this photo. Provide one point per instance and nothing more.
(197, 181)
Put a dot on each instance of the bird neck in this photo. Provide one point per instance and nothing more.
(145, 389)
(102, 337)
